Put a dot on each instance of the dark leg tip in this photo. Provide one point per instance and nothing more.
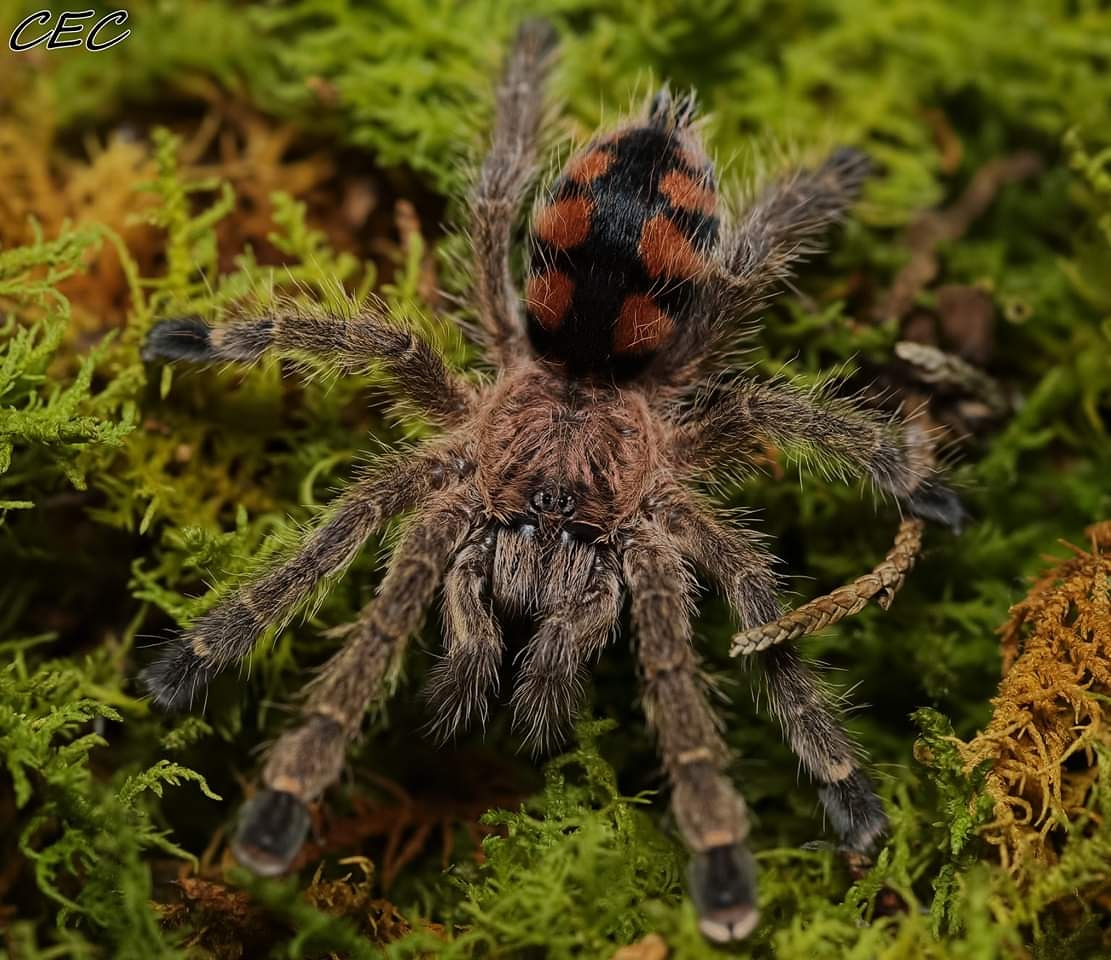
(851, 165)
(723, 888)
(538, 35)
(184, 338)
(272, 827)
(938, 504)
(173, 681)
(856, 813)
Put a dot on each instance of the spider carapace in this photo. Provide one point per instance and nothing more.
(574, 481)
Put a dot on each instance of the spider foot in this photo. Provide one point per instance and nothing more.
(183, 338)
(855, 812)
(852, 166)
(938, 504)
(174, 679)
(723, 888)
(272, 828)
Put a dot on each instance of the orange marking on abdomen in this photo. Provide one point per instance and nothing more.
(666, 252)
(641, 325)
(687, 194)
(548, 298)
(563, 223)
(588, 166)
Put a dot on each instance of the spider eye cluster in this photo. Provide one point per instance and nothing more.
(548, 500)
(619, 242)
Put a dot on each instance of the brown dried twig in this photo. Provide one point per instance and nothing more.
(938, 368)
(881, 585)
(935, 227)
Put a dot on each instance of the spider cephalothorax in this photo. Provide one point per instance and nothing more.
(567, 484)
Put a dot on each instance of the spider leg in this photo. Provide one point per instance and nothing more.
(808, 716)
(461, 683)
(228, 631)
(350, 344)
(309, 758)
(711, 815)
(578, 619)
(757, 256)
(735, 561)
(502, 182)
(782, 227)
(838, 432)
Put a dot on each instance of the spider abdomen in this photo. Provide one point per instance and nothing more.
(618, 243)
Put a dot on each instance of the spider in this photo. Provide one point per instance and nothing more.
(569, 482)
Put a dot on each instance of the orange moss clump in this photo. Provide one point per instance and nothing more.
(1049, 713)
(52, 182)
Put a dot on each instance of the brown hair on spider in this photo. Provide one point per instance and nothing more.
(570, 482)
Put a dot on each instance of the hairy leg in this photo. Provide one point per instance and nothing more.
(784, 223)
(349, 343)
(502, 182)
(228, 632)
(757, 256)
(808, 714)
(461, 684)
(309, 758)
(840, 434)
(711, 815)
(738, 565)
(577, 621)
(779, 229)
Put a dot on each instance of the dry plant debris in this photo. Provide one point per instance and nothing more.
(1050, 713)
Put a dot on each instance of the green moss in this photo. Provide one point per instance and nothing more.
(577, 849)
(123, 500)
(50, 432)
(84, 838)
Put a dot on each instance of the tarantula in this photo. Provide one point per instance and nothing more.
(569, 480)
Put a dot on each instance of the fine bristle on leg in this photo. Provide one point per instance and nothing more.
(460, 685)
(228, 631)
(804, 708)
(855, 812)
(841, 434)
(812, 726)
(779, 230)
(181, 338)
(783, 225)
(350, 344)
(578, 618)
(174, 680)
(502, 182)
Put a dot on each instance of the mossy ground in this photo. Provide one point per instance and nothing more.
(232, 150)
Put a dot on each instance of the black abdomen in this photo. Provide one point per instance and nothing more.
(616, 245)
